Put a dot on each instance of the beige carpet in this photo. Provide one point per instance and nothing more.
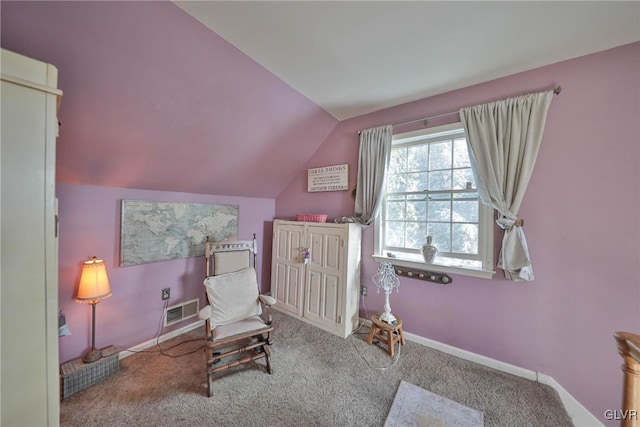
(319, 380)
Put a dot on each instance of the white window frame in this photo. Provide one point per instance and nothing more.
(485, 223)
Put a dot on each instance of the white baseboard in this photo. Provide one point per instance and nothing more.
(578, 413)
(147, 344)
(580, 416)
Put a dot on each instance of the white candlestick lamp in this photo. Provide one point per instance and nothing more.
(386, 279)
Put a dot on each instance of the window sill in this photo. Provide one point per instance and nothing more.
(437, 268)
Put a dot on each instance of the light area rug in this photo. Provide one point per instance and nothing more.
(416, 407)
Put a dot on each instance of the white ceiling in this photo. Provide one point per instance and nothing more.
(355, 57)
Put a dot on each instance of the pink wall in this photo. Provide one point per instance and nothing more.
(153, 100)
(581, 218)
(151, 96)
(150, 93)
(90, 225)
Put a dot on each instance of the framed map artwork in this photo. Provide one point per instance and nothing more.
(158, 231)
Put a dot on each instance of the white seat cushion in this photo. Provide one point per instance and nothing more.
(233, 296)
(240, 327)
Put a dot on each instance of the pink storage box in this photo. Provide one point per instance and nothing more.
(311, 217)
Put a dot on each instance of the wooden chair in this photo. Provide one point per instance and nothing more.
(629, 348)
(237, 320)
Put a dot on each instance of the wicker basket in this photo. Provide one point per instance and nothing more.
(312, 217)
(77, 375)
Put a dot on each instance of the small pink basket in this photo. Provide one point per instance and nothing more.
(311, 217)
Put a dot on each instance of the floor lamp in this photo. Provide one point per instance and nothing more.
(94, 287)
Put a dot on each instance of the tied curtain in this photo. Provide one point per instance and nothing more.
(503, 138)
(373, 161)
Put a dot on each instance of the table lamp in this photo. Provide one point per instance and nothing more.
(94, 287)
(386, 279)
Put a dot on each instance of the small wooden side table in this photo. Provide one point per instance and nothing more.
(387, 333)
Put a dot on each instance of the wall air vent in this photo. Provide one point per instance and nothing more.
(181, 312)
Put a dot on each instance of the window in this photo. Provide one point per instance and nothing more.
(431, 191)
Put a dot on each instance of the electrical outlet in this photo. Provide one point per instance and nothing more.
(363, 291)
(166, 293)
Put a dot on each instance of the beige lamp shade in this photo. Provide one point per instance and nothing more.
(94, 283)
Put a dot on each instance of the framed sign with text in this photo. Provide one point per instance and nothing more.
(328, 178)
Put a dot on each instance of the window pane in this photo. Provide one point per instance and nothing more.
(427, 193)
(417, 158)
(396, 183)
(440, 155)
(416, 181)
(461, 177)
(398, 160)
(416, 234)
(416, 210)
(439, 211)
(395, 210)
(440, 180)
(465, 211)
(465, 238)
(460, 154)
(441, 235)
(394, 234)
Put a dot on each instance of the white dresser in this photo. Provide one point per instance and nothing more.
(29, 251)
(324, 291)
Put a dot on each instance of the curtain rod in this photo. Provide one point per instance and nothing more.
(556, 91)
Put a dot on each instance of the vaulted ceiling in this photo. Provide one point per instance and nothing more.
(355, 57)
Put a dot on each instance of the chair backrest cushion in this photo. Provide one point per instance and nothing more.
(228, 262)
(233, 296)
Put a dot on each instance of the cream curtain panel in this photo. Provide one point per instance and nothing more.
(373, 161)
(504, 138)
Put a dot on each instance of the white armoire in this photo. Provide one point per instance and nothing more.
(323, 290)
(29, 373)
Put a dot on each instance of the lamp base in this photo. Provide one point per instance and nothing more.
(93, 356)
(388, 317)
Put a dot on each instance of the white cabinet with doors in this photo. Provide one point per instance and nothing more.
(28, 251)
(324, 290)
